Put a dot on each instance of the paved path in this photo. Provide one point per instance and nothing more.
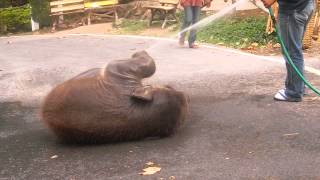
(234, 130)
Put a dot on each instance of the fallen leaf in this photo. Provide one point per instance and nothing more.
(149, 163)
(150, 171)
(255, 44)
(172, 178)
(269, 45)
(250, 48)
(291, 134)
(277, 45)
(54, 157)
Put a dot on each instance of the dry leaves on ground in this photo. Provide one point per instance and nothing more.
(150, 170)
(54, 156)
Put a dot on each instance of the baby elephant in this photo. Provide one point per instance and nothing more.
(111, 104)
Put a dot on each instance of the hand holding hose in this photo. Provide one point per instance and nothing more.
(206, 3)
(268, 3)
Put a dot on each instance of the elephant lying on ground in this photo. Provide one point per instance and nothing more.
(111, 104)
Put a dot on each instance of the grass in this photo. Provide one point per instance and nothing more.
(133, 26)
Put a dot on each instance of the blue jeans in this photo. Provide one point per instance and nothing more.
(292, 28)
(191, 16)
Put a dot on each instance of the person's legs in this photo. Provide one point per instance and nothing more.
(195, 18)
(292, 28)
(187, 21)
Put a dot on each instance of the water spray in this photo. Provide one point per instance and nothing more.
(204, 22)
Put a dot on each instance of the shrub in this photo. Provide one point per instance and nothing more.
(237, 32)
(15, 19)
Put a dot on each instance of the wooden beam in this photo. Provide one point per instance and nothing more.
(63, 2)
(100, 3)
(67, 8)
(166, 8)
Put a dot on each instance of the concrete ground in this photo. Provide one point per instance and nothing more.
(234, 130)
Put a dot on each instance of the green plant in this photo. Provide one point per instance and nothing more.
(237, 32)
(15, 19)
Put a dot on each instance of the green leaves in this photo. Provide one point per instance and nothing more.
(15, 19)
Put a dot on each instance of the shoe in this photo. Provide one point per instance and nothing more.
(194, 46)
(281, 96)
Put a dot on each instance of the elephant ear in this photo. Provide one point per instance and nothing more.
(142, 93)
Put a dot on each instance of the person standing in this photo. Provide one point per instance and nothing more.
(192, 9)
(293, 18)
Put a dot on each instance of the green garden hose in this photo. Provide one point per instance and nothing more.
(286, 54)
